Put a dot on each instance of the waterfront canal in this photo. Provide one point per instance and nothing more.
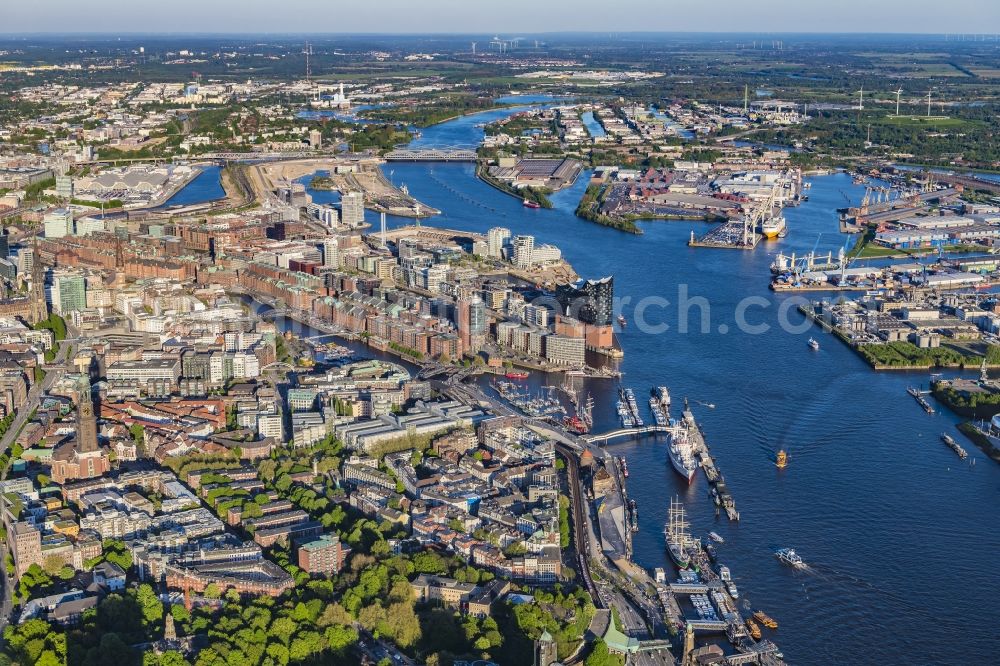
(205, 187)
(897, 531)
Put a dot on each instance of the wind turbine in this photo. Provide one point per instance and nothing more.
(473, 48)
(898, 93)
(928, 103)
(861, 98)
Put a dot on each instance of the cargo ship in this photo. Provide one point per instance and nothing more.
(810, 262)
(676, 535)
(681, 455)
(773, 227)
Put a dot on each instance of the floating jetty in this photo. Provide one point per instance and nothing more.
(719, 491)
(954, 446)
(919, 397)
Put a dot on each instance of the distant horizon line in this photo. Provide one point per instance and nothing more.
(458, 33)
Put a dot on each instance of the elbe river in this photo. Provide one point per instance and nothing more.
(901, 537)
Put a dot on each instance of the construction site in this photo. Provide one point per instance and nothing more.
(349, 174)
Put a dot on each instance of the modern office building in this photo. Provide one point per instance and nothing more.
(69, 293)
(58, 223)
(352, 209)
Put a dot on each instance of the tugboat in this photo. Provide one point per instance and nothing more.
(782, 461)
(527, 203)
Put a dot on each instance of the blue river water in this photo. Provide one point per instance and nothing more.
(898, 533)
(594, 127)
(206, 186)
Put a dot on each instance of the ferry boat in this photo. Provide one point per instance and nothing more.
(813, 344)
(753, 629)
(624, 465)
(625, 415)
(731, 589)
(782, 461)
(675, 532)
(714, 536)
(657, 409)
(516, 375)
(621, 321)
(681, 455)
(765, 619)
(527, 203)
(575, 425)
(628, 395)
(773, 227)
(790, 557)
(664, 396)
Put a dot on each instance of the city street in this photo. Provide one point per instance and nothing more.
(34, 396)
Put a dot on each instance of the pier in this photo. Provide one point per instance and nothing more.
(720, 493)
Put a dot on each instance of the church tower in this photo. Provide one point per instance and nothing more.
(545, 650)
(86, 426)
(39, 308)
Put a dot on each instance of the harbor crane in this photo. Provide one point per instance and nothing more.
(756, 216)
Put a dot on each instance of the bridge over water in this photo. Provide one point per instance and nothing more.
(625, 432)
(432, 155)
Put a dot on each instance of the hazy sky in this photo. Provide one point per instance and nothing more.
(489, 16)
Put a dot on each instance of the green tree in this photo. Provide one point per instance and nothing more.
(152, 607)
